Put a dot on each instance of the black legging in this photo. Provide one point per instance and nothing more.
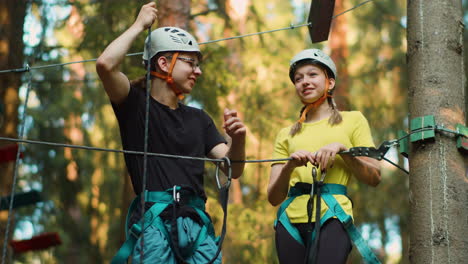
(334, 244)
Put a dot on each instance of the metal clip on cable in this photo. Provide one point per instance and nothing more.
(314, 180)
(312, 246)
(227, 165)
(371, 152)
(175, 194)
(378, 154)
(324, 173)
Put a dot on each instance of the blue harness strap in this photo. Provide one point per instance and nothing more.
(334, 210)
(161, 201)
(294, 192)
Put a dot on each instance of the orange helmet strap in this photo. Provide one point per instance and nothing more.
(168, 77)
(319, 101)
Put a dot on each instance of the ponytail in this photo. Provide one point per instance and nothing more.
(298, 125)
(335, 117)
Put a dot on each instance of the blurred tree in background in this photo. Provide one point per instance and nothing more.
(11, 55)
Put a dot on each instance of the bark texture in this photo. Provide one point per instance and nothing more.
(438, 183)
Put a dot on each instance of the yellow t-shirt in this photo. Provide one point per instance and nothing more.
(353, 131)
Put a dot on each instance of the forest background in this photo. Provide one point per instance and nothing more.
(87, 192)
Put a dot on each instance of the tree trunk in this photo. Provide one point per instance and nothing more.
(174, 13)
(339, 46)
(12, 15)
(438, 184)
(234, 14)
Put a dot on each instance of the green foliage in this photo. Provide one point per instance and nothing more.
(58, 106)
(378, 89)
(215, 81)
(250, 75)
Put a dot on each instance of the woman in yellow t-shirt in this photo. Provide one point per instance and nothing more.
(320, 134)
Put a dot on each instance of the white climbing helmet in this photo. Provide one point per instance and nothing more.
(170, 39)
(312, 54)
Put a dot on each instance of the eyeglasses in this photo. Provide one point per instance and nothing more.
(193, 62)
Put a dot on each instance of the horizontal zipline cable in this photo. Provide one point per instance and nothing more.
(54, 144)
(27, 68)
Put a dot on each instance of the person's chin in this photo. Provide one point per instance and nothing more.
(308, 99)
(187, 89)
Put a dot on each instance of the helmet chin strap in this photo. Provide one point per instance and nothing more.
(168, 77)
(319, 101)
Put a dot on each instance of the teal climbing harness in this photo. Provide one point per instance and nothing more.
(175, 197)
(162, 200)
(323, 192)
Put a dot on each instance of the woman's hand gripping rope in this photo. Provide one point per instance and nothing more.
(325, 156)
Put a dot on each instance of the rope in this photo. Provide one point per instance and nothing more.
(396, 165)
(132, 152)
(224, 199)
(145, 146)
(352, 8)
(38, 142)
(17, 162)
(292, 26)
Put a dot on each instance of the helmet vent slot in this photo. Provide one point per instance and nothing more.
(175, 39)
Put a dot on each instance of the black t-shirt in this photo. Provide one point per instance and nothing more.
(185, 131)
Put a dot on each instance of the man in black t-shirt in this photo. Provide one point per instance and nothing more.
(174, 128)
